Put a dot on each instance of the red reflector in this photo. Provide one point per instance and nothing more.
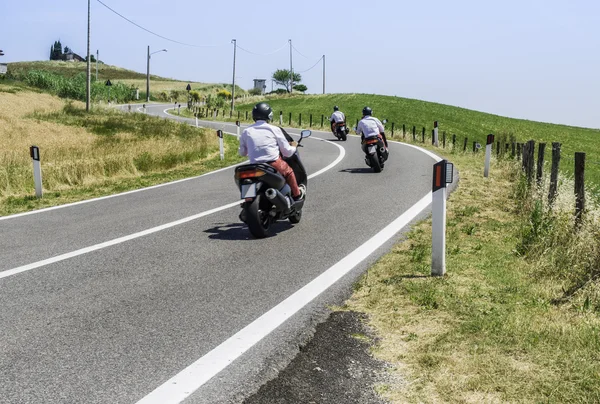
(250, 174)
(438, 176)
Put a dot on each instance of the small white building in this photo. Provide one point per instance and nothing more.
(260, 84)
(3, 68)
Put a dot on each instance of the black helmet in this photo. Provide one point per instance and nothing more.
(336, 108)
(262, 112)
(367, 111)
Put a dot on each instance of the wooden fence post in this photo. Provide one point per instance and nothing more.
(414, 134)
(579, 185)
(423, 137)
(518, 151)
(403, 131)
(540, 163)
(444, 139)
(290, 119)
(310, 121)
(497, 149)
(453, 141)
(554, 172)
(465, 145)
(300, 119)
(433, 136)
(530, 160)
(322, 119)
(392, 129)
(474, 146)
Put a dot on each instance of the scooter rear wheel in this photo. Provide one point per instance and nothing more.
(258, 221)
(375, 163)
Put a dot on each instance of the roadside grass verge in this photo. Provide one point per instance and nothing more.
(498, 327)
(86, 155)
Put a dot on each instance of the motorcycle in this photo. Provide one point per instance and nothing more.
(375, 152)
(267, 197)
(341, 130)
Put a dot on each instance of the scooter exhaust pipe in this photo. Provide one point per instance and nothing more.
(278, 199)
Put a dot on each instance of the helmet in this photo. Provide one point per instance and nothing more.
(336, 108)
(367, 111)
(262, 112)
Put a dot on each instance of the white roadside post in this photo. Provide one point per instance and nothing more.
(196, 115)
(34, 152)
(436, 141)
(237, 124)
(221, 149)
(488, 154)
(144, 106)
(442, 175)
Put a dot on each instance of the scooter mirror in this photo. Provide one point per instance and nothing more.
(305, 133)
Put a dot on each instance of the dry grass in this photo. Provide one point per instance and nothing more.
(84, 152)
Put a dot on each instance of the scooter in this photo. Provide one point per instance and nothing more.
(376, 153)
(267, 197)
(341, 130)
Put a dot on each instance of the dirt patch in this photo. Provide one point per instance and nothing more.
(335, 366)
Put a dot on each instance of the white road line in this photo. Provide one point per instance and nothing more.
(182, 385)
(62, 257)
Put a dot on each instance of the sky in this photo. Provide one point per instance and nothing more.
(529, 59)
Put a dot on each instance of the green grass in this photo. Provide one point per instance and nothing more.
(491, 330)
(471, 124)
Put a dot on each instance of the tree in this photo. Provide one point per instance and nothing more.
(67, 49)
(56, 51)
(282, 78)
(92, 58)
(300, 87)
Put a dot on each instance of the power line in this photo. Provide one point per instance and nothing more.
(154, 33)
(313, 66)
(300, 53)
(262, 54)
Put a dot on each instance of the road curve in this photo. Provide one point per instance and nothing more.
(108, 301)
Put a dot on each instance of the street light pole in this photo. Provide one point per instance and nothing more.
(291, 69)
(97, 57)
(148, 76)
(148, 72)
(323, 74)
(233, 85)
(88, 78)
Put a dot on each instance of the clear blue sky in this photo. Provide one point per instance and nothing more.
(532, 59)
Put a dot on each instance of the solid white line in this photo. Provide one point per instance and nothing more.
(33, 212)
(109, 243)
(182, 385)
(123, 239)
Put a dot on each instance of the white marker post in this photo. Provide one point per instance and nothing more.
(436, 141)
(488, 154)
(196, 115)
(34, 152)
(237, 124)
(221, 149)
(144, 105)
(442, 175)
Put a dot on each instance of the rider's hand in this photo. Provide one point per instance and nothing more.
(294, 144)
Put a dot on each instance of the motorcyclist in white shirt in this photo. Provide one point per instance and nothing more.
(336, 118)
(265, 143)
(370, 126)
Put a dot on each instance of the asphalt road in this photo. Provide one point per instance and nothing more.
(109, 301)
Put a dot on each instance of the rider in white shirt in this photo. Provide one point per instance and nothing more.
(265, 143)
(336, 118)
(370, 126)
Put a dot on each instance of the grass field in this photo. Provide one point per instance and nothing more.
(453, 120)
(499, 328)
(85, 155)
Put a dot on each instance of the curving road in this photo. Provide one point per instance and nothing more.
(160, 295)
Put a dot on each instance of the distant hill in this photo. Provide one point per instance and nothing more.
(70, 69)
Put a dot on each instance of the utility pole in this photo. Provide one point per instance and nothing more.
(233, 85)
(291, 69)
(148, 76)
(323, 74)
(97, 57)
(88, 84)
